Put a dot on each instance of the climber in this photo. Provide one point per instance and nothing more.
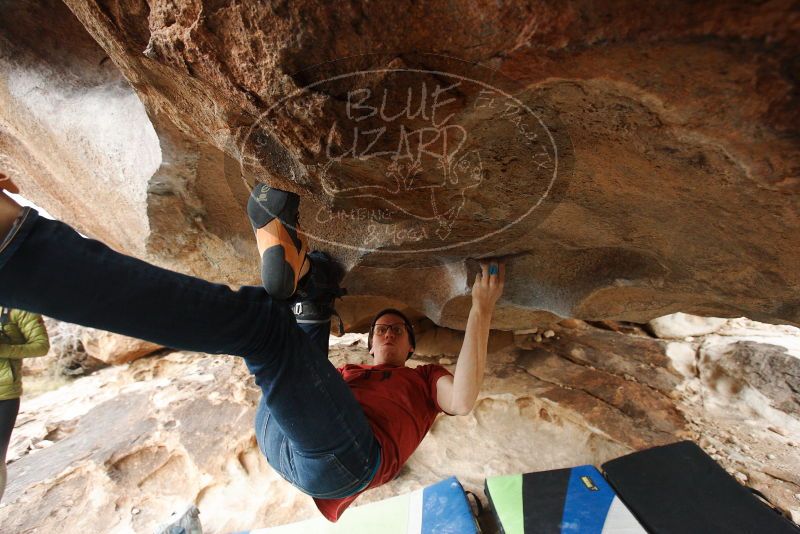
(331, 433)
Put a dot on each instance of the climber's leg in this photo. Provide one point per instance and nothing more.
(48, 268)
(325, 448)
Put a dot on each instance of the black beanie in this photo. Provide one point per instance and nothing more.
(393, 311)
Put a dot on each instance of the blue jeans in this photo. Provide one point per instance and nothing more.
(309, 425)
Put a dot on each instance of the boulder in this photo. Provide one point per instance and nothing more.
(682, 325)
(115, 349)
(435, 341)
(759, 377)
(622, 160)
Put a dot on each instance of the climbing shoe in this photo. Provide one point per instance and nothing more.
(317, 291)
(274, 216)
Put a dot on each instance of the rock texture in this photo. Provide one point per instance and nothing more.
(71, 128)
(119, 450)
(681, 325)
(76, 350)
(629, 163)
(77, 135)
(746, 372)
(115, 349)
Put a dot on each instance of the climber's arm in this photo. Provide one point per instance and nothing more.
(457, 394)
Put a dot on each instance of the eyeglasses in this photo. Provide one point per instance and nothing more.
(396, 328)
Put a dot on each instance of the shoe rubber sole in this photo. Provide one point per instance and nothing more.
(274, 216)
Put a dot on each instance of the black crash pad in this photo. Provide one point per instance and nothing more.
(679, 489)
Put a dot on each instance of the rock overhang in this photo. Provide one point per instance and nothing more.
(678, 189)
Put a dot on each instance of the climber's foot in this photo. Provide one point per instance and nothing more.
(316, 294)
(281, 244)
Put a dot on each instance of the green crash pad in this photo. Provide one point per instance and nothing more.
(575, 500)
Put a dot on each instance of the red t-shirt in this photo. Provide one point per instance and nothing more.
(400, 405)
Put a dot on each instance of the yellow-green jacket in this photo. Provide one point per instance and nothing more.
(22, 336)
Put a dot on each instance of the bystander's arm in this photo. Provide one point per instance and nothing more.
(37, 343)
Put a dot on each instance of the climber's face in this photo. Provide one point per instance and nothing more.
(390, 341)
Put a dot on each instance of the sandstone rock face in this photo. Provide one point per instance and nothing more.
(729, 390)
(119, 450)
(72, 129)
(628, 163)
(746, 363)
(116, 349)
(77, 135)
